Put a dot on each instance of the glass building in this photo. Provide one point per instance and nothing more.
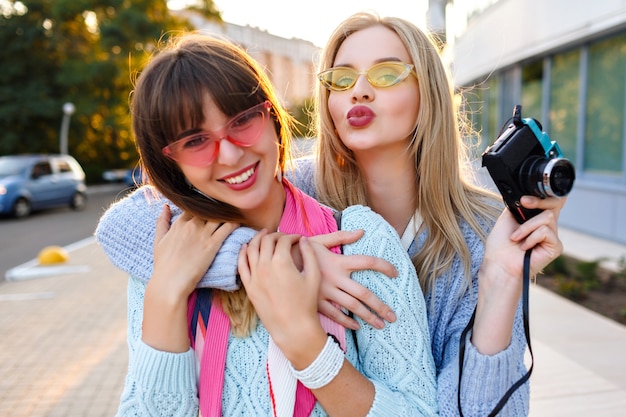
(564, 61)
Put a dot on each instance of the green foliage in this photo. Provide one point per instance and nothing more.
(571, 288)
(574, 278)
(80, 51)
(621, 273)
(302, 114)
(586, 273)
(557, 266)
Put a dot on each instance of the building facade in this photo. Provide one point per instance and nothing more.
(289, 63)
(564, 61)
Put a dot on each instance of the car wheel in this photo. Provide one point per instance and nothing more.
(79, 201)
(21, 208)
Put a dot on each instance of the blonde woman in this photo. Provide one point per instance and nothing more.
(389, 137)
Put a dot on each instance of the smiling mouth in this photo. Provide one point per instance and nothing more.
(244, 176)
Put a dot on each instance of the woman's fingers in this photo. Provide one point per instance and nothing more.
(340, 237)
(333, 312)
(162, 224)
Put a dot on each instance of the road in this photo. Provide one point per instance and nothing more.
(22, 240)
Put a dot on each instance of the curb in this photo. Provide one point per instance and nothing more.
(32, 269)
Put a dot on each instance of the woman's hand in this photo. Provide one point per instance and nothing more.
(185, 250)
(284, 298)
(500, 276)
(182, 253)
(337, 289)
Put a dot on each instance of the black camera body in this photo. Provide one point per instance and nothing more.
(524, 161)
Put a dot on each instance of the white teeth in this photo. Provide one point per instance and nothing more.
(240, 178)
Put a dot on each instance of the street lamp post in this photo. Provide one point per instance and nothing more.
(68, 110)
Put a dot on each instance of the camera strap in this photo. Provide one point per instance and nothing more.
(523, 379)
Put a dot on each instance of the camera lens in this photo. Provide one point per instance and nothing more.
(544, 177)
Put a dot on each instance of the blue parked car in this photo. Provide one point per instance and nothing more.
(35, 182)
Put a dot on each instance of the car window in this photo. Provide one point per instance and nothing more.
(64, 166)
(9, 166)
(41, 168)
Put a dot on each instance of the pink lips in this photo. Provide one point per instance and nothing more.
(360, 116)
(245, 184)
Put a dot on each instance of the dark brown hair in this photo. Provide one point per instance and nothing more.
(169, 96)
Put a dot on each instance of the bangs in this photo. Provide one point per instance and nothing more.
(189, 83)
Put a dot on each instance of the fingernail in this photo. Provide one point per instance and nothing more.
(379, 324)
(391, 317)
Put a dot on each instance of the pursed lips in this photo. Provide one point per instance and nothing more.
(360, 116)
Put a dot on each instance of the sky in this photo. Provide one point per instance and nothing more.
(311, 20)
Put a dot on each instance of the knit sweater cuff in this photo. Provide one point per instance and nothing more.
(158, 371)
(126, 233)
(495, 373)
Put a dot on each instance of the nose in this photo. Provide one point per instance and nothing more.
(228, 153)
(362, 90)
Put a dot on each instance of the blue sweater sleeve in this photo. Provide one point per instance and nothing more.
(397, 359)
(486, 378)
(157, 383)
(448, 314)
(126, 233)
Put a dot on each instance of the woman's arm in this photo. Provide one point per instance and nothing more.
(398, 358)
(182, 253)
(162, 367)
(127, 230)
(500, 275)
(398, 372)
(338, 291)
(155, 380)
(495, 348)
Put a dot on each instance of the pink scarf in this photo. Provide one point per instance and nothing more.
(305, 216)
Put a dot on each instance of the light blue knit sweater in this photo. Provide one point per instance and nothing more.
(485, 378)
(396, 359)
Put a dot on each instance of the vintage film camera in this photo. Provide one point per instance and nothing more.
(524, 161)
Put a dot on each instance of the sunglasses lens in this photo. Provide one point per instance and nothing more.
(339, 79)
(246, 128)
(200, 149)
(384, 74)
(387, 74)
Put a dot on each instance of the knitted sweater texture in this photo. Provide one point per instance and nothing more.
(397, 359)
(128, 227)
(485, 378)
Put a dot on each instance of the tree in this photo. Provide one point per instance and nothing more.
(85, 52)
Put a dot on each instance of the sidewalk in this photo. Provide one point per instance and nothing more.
(63, 343)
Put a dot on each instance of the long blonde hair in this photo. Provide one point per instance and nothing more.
(446, 194)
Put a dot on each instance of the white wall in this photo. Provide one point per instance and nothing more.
(513, 30)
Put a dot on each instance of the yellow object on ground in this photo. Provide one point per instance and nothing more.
(52, 255)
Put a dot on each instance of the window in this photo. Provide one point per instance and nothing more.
(532, 90)
(493, 121)
(40, 169)
(64, 166)
(604, 112)
(564, 88)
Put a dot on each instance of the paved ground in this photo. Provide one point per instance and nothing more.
(63, 341)
(63, 349)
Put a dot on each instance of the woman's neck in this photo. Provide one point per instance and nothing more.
(391, 186)
(268, 214)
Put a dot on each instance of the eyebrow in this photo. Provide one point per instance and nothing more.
(188, 132)
(377, 61)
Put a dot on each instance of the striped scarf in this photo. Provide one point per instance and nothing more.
(303, 215)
